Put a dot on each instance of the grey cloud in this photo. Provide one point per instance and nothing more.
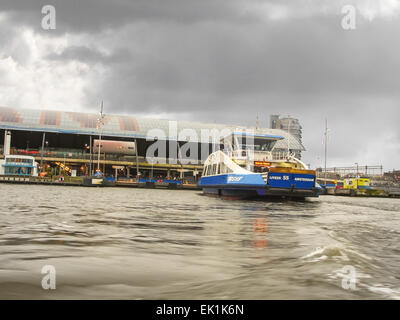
(95, 15)
(215, 61)
(90, 55)
(242, 62)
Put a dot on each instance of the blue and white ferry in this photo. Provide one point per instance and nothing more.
(251, 170)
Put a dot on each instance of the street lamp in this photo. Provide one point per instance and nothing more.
(42, 151)
(357, 169)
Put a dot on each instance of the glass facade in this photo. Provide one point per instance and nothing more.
(18, 171)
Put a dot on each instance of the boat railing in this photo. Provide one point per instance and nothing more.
(281, 156)
(255, 155)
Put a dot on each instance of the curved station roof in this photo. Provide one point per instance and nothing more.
(119, 125)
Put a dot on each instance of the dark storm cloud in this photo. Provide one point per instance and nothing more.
(94, 15)
(228, 66)
(224, 61)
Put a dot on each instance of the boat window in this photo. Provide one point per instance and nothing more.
(18, 171)
(18, 160)
(226, 169)
(257, 144)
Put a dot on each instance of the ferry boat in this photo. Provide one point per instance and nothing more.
(252, 170)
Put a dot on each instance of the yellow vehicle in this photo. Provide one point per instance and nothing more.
(357, 183)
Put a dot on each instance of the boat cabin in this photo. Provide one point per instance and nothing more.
(16, 165)
(244, 147)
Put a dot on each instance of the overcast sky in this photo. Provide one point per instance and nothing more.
(216, 61)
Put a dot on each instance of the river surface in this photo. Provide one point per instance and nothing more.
(127, 243)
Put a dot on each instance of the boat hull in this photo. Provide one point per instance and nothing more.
(277, 185)
(249, 193)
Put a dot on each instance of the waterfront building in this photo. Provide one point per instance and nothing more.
(63, 139)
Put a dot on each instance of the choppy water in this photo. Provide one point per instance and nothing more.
(161, 244)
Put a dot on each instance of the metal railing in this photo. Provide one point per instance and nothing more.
(257, 155)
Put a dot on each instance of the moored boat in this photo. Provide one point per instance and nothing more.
(248, 168)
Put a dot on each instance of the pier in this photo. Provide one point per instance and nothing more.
(380, 184)
(383, 192)
(80, 181)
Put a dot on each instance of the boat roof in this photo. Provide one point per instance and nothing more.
(259, 135)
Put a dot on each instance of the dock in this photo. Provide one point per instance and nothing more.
(79, 181)
(156, 184)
